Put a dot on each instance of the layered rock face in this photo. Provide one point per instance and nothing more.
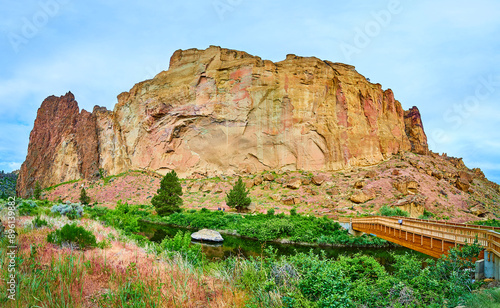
(220, 111)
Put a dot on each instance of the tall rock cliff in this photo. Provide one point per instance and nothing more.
(220, 111)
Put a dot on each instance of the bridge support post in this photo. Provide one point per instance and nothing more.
(491, 265)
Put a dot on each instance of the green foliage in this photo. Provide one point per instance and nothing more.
(72, 235)
(267, 227)
(84, 198)
(489, 222)
(37, 191)
(427, 215)
(27, 208)
(270, 212)
(388, 211)
(181, 243)
(168, 200)
(38, 222)
(237, 197)
(125, 217)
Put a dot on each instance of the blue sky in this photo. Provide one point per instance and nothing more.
(442, 56)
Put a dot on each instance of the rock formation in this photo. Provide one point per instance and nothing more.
(220, 111)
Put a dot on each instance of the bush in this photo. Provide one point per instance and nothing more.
(388, 211)
(181, 242)
(72, 235)
(237, 197)
(168, 200)
(38, 222)
(27, 207)
(68, 209)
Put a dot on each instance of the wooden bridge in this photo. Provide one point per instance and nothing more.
(433, 238)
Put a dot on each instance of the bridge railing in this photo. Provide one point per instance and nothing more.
(450, 232)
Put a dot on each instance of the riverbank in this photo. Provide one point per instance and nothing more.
(234, 233)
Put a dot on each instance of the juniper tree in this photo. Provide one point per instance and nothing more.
(84, 198)
(167, 199)
(37, 192)
(237, 197)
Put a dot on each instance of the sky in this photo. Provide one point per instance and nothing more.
(441, 56)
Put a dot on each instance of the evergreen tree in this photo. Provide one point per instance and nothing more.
(84, 198)
(37, 192)
(167, 199)
(237, 197)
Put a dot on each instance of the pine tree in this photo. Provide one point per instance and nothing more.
(37, 192)
(168, 200)
(84, 198)
(237, 197)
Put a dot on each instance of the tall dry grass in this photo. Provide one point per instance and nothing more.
(123, 275)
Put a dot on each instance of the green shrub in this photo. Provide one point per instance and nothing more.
(427, 215)
(68, 209)
(38, 222)
(72, 235)
(181, 243)
(168, 200)
(237, 197)
(270, 212)
(388, 211)
(27, 207)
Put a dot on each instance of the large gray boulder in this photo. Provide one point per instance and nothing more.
(207, 235)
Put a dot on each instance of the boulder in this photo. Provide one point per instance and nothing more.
(462, 184)
(208, 187)
(195, 187)
(395, 172)
(290, 200)
(276, 197)
(305, 181)
(370, 174)
(479, 210)
(437, 174)
(406, 186)
(269, 177)
(333, 191)
(359, 184)
(294, 183)
(257, 180)
(318, 179)
(362, 197)
(207, 235)
(414, 205)
(248, 183)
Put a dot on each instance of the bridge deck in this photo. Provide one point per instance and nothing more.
(433, 238)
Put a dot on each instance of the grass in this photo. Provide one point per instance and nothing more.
(63, 183)
(489, 298)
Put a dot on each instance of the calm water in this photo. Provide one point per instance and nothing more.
(235, 246)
